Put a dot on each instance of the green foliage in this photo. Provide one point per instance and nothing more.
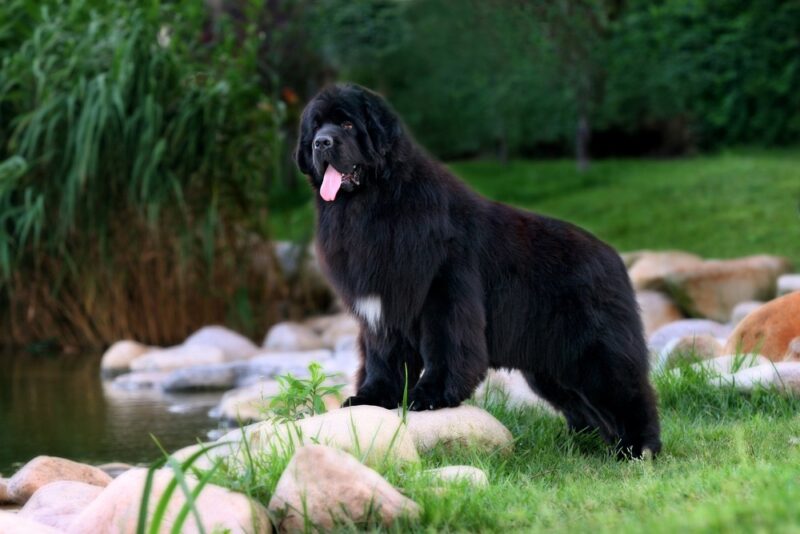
(513, 77)
(730, 69)
(724, 205)
(302, 397)
(115, 110)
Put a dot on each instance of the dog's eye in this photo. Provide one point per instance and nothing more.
(347, 125)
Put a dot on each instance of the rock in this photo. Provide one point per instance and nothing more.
(793, 354)
(43, 470)
(269, 364)
(289, 256)
(509, 387)
(325, 488)
(629, 258)
(343, 326)
(731, 363)
(713, 288)
(656, 310)
(374, 435)
(116, 509)
(234, 345)
(137, 381)
(118, 357)
(16, 524)
(56, 504)
(686, 328)
(465, 426)
(768, 330)
(5, 496)
(247, 404)
(202, 377)
(178, 357)
(788, 283)
(743, 309)
(115, 469)
(459, 474)
(688, 349)
(783, 376)
(290, 337)
(650, 268)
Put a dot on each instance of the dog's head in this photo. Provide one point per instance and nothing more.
(346, 137)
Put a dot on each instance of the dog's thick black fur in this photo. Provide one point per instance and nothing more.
(448, 282)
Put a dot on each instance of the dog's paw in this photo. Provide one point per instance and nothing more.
(421, 399)
(355, 400)
(368, 400)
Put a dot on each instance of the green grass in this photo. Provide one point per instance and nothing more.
(729, 464)
(722, 205)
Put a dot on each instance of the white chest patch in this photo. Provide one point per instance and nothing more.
(369, 308)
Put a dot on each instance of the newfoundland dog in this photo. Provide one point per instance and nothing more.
(448, 284)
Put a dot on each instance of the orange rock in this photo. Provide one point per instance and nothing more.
(769, 330)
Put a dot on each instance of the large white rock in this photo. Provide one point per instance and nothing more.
(178, 357)
(509, 387)
(234, 345)
(685, 329)
(5, 496)
(459, 474)
(325, 487)
(141, 380)
(464, 426)
(116, 509)
(289, 336)
(783, 376)
(656, 310)
(788, 283)
(202, 377)
(688, 349)
(731, 363)
(343, 326)
(56, 504)
(649, 268)
(250, 403)
(15, 524)
(374, 435)
(743, 309)
(43, 470)
(247, 404)
(712, 289)
(269, 364)
(118, 357)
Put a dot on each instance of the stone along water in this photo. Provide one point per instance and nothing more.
(60, 406)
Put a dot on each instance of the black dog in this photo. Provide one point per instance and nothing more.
(448, 282)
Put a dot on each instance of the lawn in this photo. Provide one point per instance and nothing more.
(722, 205)
(730, 463)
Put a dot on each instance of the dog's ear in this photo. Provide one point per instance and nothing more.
(302, 152)
(383, 125)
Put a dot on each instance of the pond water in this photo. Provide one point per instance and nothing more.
(61, 406)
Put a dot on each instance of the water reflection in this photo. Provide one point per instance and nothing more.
(60, 406)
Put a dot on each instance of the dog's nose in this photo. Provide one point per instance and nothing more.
(323, 141)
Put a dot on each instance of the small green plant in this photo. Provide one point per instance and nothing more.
(303, 397)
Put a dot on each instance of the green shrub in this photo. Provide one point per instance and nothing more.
(123, 134)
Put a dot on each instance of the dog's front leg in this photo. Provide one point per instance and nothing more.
(453, 343)
(386, 360)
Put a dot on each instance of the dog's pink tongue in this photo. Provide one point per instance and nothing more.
(331, 183)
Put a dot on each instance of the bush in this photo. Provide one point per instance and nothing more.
(134, 163)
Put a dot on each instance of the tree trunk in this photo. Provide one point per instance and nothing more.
(582, 135)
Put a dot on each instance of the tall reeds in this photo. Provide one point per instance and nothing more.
(134, 165)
